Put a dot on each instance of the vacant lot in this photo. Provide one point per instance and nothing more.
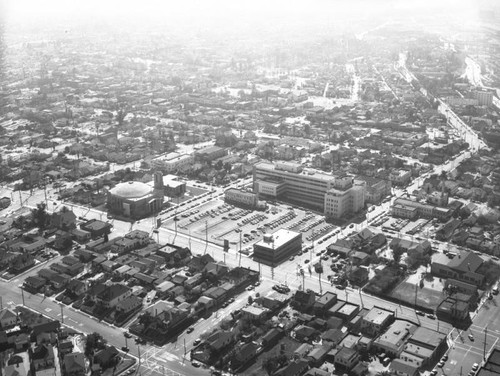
(426, 296)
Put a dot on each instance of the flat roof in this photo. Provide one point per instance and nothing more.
(428, 336)
(396, 334)
(417, 350)
(309, 173)
(377, 315)
(348, 309)
(278, 239)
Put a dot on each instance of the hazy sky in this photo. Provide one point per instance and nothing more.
(214, 14)
(47, 9)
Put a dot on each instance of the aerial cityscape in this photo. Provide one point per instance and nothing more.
(278, 188)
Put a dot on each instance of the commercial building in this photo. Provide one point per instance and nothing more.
(393, 340)
(276, 248)
(209, 153)
(492, 365)
(453, 309)
(336, 196)
(134, 199)
(405, 208)
(173, 162)
(460, 265)
(424, 347)
(376, 320)
(243, 198)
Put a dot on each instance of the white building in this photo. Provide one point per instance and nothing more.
(346, 198)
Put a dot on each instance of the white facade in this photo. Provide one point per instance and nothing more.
(348, 200)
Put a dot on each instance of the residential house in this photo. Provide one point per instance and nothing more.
(346, 358)
(107, 357)
(198, 263)
(253, 313)
(243, 354)
(8, 318)
(128, 305)
(34, 283)
(304, 333)
(80, 236)
(113, 294)
(272, 337)
(175, 255)
(333, 336)
(325, 302)
(63, 219)
(317, 355)
(359, 275)
(318, 372)
(96, 228)
(65, 347)
(42, 357)
(294, 368)
(74, 364)
(303, 300)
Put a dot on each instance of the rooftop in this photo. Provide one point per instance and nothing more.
(377, 315)
(131, 189)
(278, 239)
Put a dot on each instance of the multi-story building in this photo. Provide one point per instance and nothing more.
(346, 198)
(376, 189)
(376, 320)
(484, 98)
(173, 162)
(400, 177)
(393, 340)
(276, 248)
(242, 198)
(336, 196)
(209, 153)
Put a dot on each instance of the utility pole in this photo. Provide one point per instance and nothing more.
(45, 193)
(206, 237)
(484, 345)
(62, 313)
(361, 298)
(22, 294)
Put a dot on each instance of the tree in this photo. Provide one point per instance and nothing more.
(94, 341)
(396, 254)
(40, 215)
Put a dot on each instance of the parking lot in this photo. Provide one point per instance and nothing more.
(222, 221)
